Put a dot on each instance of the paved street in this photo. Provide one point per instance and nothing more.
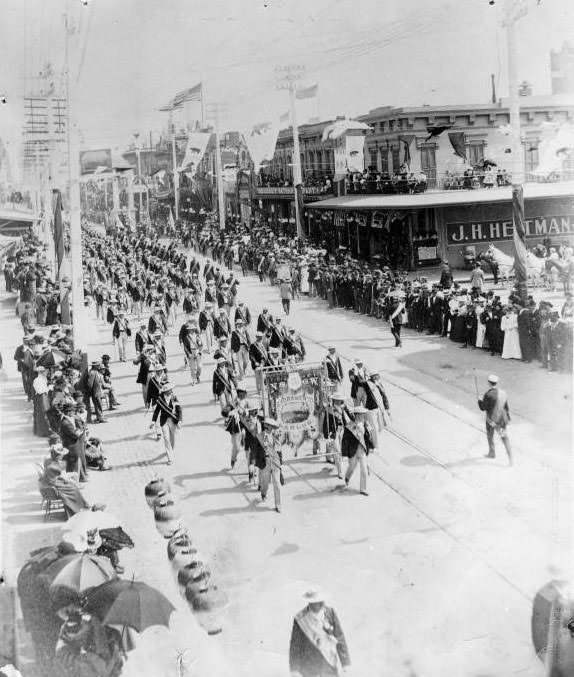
(432, 574)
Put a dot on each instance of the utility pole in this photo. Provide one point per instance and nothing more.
(77, 274)
(216, 113)
(514, 10)
(287, 77)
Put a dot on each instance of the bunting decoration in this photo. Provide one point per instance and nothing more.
(436, 130)
(261, 141)
(194, 152)
(407, 140)
(458, 143)
(519, 237)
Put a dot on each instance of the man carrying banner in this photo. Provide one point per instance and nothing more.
(293, 346)
(495, 404)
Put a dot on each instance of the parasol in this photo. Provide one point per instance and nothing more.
(87, 520)
(78, 573)
(131, 603)
(51, 358)
(489, 163)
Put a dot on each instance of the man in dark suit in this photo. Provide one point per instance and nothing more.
(72, 436)
(356, 444)
(168, 411)
(495, 404)
(95, 388)
(333, 365)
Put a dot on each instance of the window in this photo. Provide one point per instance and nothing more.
(384, 160)
(374, 158)
(395, 152)
(530, 157)
(476, 153)
(320, 168)
(428, 164)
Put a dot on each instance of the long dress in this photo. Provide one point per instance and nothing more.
(41, 406)
(304, 279)
(511, 346)
(480, 331)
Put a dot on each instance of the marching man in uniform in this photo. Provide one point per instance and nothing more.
(206, 325)
(271, 471)
(223, 384)
(333, 365)
(377, 404)
(168, 410)
(192, 347)
(358, 378)
(240, 344)
(356, 444)
(121, 332)
(495, 404)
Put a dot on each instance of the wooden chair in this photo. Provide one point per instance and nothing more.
(51, 501)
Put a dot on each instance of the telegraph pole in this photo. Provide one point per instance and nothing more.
(217, 112)
(77, 274)
(287, 77)
(174, 164)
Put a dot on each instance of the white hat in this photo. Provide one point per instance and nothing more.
(493, 378)
(313, 596)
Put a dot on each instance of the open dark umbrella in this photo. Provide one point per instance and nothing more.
(51, 358)
(130, 603)
(78, 573)
(488, 163)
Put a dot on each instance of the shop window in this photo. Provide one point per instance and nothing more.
(374, 157)
(385, 160)
(531, 158)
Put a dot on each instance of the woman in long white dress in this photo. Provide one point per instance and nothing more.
(480, 327)
(511, 346)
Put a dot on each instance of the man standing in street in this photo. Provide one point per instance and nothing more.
(356, 444)
(272, 468)
(95, 387)
(169, 412)
(286, 293)
(495, 404)
(477, 279)
(318, 647)
(333, 365)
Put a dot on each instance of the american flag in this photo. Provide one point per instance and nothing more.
(191, 94)
(307, 92)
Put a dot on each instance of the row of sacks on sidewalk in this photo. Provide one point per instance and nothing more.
(81, 616)
(205, 599)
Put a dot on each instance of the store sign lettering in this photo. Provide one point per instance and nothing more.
(502, 230)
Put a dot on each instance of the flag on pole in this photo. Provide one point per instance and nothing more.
(519, 237)
(170, 221)
(58, 230)
(458, 143)
(307, 92)
(191, 94)
(284, 117)
(407, 140)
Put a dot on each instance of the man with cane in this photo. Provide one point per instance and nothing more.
(495, 404)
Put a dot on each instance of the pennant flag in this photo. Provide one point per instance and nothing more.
(195, 150)
(307, 92)
(58, 229)
(192, 94)
(407, 140)
(458, 143)
(284, 117)
(261, 142)
(436, 130)
(519, 237)
(170, 220)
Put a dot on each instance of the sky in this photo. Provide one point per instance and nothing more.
(129, 57)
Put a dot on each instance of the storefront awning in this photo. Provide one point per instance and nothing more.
(444, 198)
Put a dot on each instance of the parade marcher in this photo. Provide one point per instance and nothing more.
(397, 318)
(272, 468)
(274, 359)
(293, 346)
(223, 386)
(142, 337)
(144, 359)
(333, 365)
(358, 377)
(240, 344)
(206, 320)
(232, 423)
(356, 443)
(333, 428)
(264, 322)
(168, 411)
(221, 324)
(159, 346)
(286, 294)
(192, 347)
(317, 647)
(495, 404)
(242, 313)
(377, 404)
(252, 428)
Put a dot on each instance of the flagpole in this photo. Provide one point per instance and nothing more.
(174, 163)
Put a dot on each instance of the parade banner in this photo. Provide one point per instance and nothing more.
(195, 150)
(294, 395)
(261, 142)
(354, 153)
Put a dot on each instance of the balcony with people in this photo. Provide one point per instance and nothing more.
(372, 181)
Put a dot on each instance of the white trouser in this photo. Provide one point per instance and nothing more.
(268, 473)
(242, 361)
(168, 434)
(361, 458)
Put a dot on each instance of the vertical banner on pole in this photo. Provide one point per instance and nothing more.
(519, 234)
(58, 232)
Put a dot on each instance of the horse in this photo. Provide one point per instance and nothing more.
(565, 271)
(493, 255)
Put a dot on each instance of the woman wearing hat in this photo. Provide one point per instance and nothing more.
(41, 403)
(318, 647)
